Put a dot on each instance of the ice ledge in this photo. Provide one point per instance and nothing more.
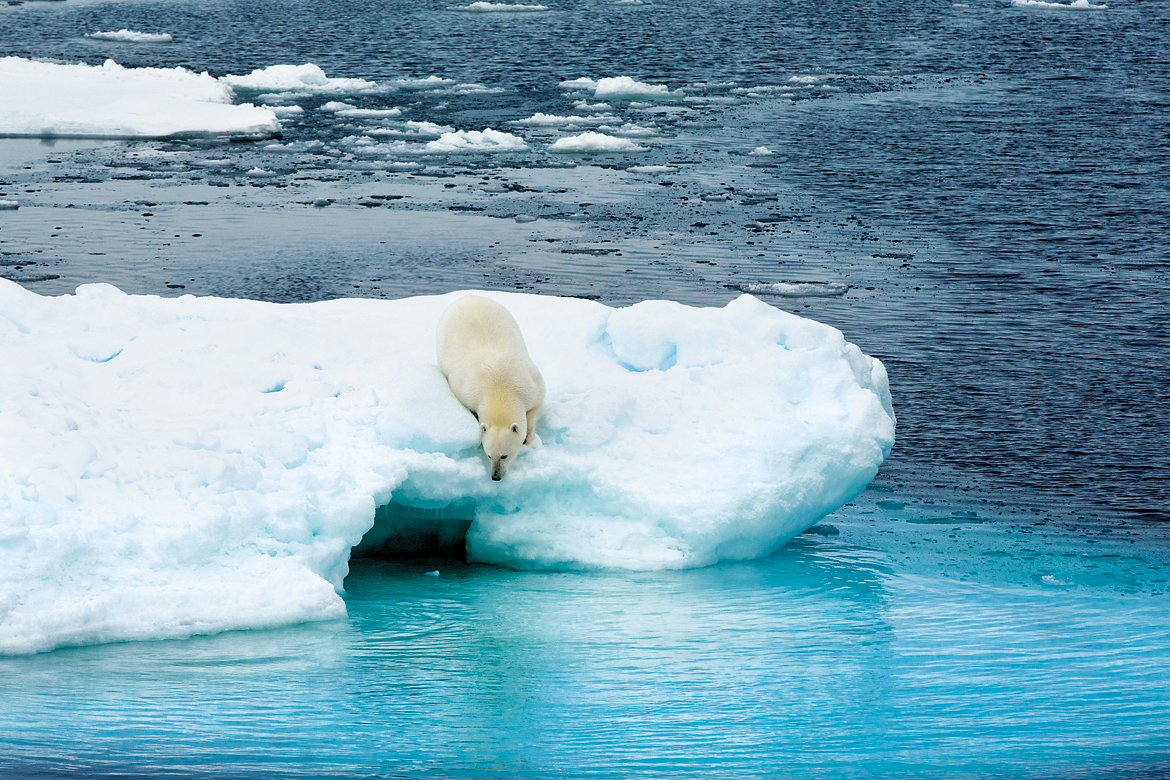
(191, 465)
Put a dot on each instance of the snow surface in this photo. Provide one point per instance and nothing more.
(110, 101)
(489, 8)
(179, 466)
(594, 142)
(131, 36)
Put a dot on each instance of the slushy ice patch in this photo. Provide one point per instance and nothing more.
(192, 465)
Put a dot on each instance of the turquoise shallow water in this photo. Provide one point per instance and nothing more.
(890, 642)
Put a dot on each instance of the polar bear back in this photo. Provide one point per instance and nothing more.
(480, 349)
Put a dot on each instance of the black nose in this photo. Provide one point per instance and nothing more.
(496, 477)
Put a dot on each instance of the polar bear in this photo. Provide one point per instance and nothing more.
(482, 354)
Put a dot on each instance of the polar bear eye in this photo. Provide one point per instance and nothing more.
(483, 428)
(515, 429)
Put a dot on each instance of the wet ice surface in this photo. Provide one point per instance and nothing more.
(986, 181)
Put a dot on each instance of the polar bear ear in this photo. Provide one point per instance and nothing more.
(515, 428)
(483, 427)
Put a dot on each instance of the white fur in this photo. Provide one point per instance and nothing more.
(482, 354)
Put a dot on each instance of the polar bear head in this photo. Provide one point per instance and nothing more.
(502, 440)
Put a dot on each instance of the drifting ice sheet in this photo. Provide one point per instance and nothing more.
(191, 465)
(109, 101)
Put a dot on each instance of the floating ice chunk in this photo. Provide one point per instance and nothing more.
(594, 142)
(369, 113)
(260, 173)
(299, 79)
(804, 79)
(286, 110)
(581, 83)
(496, 8)
(1080, 5)
(629, 130)
(486, 140)
(297, 147)
(552, 120)
(585, 105)
(434, 573)
(470, 89)
(276, 98)
(413, 129)
(524, 218)
(110, 101)
(629, 2)
(214, 472)
(652, 169)
(130, 36)
(423, 84)
(626, 87)
(761, 151)
(797, 289)
(9, 205)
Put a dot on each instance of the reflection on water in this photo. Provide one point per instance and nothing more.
(826, 659)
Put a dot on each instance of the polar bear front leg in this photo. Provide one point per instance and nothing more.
(532, 416)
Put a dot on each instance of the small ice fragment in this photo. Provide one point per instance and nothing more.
(523, 218)
(487, 8)
(761, 151)
(594, 142)
(131, 36)
(797, 289)
(1080, 5)
(651, 169)
(9, 205)
(260, 173)
(434, 573)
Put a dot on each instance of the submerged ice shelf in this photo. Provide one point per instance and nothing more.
(191, 465)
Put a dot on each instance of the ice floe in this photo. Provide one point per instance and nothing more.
(552, 120)
(132, 36)
(496, 8)
(422, 84)
(1078, 5)
(594, 142)
(621, 88)
(486, 140)
(796, 289)
(110, 101)
(191, 465)
(299, 80)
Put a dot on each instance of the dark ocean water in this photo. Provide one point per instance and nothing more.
(990, 181)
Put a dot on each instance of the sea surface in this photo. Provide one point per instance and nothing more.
(978, 189)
